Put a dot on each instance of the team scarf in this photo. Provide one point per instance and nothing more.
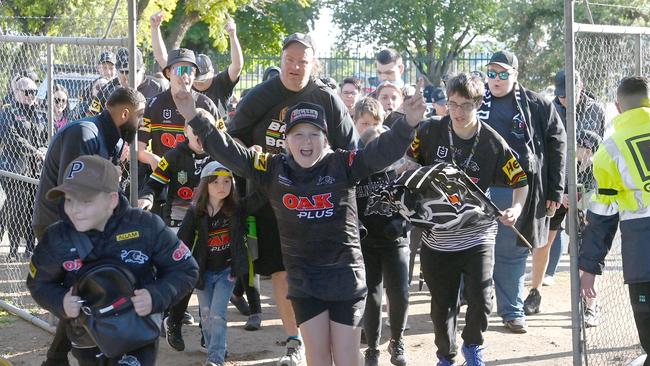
(520, 127)
(439, 196)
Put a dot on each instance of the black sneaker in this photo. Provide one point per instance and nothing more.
(371, 357)
(174, 336)
(396, 351)
(532, 302)
(188, 319)
(241, 305)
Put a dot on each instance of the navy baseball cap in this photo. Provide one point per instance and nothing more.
(107, 56)
(302, 38)
(505, 59)
(204, 67)
(305, 112)
(123, 59)
(438, 95)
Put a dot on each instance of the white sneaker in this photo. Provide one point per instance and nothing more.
(548, 280)
(295, 353)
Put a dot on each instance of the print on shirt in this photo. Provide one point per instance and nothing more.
(275, 134)
(218, 240)
(315, 207)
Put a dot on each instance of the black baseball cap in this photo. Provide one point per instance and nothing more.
(123, 59)
(588, 139)
(438, 95)
(305, 112)
(204, 66)
(180, 55)
(302, 38)
(107, 56)
(505, 59)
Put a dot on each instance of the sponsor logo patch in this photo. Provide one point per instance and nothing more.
(304, 113)
(315, 207)
(73, 265)
(133, 256)
(513, 171)
(163, 164)
(127, 236)
(182, 177)
(260, 162)
(182, 252)
(442, 152)
(32, 269)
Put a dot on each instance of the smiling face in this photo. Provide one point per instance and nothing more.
(90, 213)
(307, 144)
(297, 63)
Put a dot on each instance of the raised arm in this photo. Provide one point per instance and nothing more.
(157, 42)
(236, 55)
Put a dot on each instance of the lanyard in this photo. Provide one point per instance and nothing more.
(472, 151)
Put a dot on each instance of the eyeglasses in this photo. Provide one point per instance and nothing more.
(60, 101)
(29, 92)
(503, 75)
(466, 107)
(180, 70)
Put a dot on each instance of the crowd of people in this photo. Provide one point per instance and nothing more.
(279, 181)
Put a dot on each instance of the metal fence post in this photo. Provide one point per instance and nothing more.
(50, 88)
(576, 319)
(638, 55)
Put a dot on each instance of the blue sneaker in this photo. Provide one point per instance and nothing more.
(473, 355)
(442, 361)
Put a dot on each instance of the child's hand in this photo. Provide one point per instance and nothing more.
(71, 304)
(142, 302)
(415, 107)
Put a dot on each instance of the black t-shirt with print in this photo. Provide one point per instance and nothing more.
(492, 163)
(164, 125)
(220, 90)
(218, 242)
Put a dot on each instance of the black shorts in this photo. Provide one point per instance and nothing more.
(346, 312)
(558, 218)
(268, 242)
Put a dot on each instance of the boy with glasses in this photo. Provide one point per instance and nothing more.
(462, 247)
(533, 129)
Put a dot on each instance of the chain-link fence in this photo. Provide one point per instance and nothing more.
(33, 109)
(601, 60)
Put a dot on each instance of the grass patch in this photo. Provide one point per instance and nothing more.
(6, 318)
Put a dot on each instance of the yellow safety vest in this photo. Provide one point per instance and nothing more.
(622, 168)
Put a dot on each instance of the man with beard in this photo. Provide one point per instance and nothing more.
(103, 135)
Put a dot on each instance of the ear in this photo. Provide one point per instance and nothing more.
(126, 112)
(618, 107)
(114, 200)
(401, 68)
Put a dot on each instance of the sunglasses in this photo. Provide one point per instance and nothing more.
(125, 71)
(180, 70)
(60, 101)
(29, 92)
(503, 75)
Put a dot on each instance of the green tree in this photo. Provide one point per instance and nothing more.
(432, 32)
(534, 30)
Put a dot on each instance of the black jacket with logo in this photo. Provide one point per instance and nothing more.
(316, 207)
(139, 240)
(179, 170)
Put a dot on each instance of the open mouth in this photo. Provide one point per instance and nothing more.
(306, 152)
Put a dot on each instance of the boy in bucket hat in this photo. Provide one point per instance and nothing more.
(99, 225)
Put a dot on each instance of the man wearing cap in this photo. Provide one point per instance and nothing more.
(102, 135)
(217, 87)
(146, 85)
(439, 101)
(106, 65)
(97, 213)
(163, 125)
(590, 115)
(533, 129)
(260, 121)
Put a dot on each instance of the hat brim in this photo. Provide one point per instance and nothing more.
(297, 41)
(203, 77)
(301, 121)
(72, 190)
(441, 102)
(504, 65)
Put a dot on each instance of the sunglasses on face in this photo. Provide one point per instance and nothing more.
(29, 92)
(180, 70)
(503, 75)
(60, 101)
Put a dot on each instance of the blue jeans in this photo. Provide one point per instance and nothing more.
(509, 263)
(213, 303)
(554, 255)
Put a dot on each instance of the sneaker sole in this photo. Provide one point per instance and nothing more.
(517, 330)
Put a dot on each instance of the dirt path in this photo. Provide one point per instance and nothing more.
(548, 341)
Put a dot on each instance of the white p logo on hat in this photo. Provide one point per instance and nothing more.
(75, 168)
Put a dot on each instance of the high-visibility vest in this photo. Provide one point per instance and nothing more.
(622, 168)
